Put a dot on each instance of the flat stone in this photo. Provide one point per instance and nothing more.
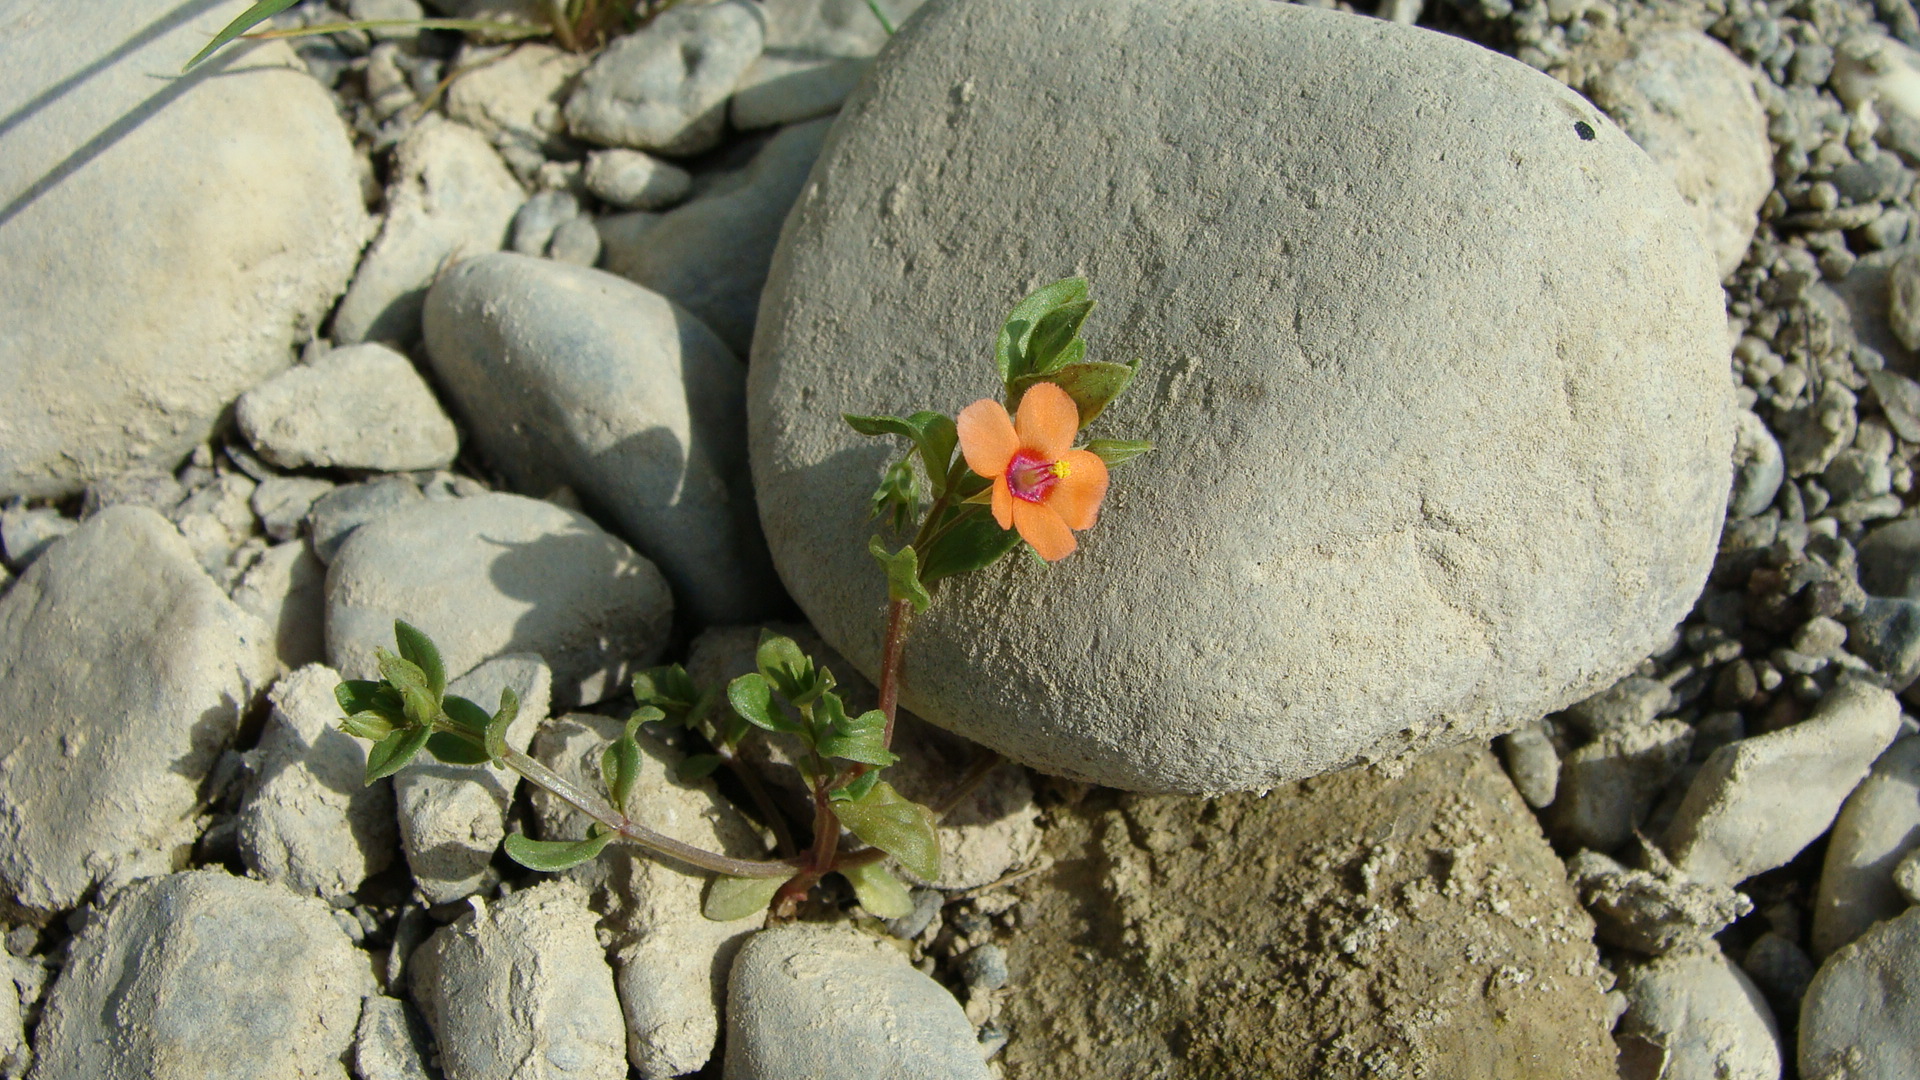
(310, 821)
(451, 198)
(1758, 802)
(204, 967)
(808, 1001)
(497, 574)
(1693, 1014)
(147, 299)
(1877, 826)
(516, 99)
(119, 773)
(339, 512)
(711, 255)
(521, 988)
(632, 180)
(664, 88)
(1522, 531)
(360, 407)
(569, 376)
(1861, 1017)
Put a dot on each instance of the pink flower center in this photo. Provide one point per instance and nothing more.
(1030, 478)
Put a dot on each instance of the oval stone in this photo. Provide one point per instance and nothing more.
(1434, 358)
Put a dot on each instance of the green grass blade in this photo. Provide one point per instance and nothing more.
(885, 23)
(250, 18)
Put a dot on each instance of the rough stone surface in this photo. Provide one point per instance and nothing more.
(1861, 1017)
(309, 820)
(389, 1043)
(1609, 786)
(1757, 802)
(1879, 824)
(1372, 900)
(665, 88)
(498, 574)
(1691, 1014)
(1758, 464)
(1689, 102)
(808, 1001)
(568, 376)
(361, 407)
(453, 817)
(516, 100)
(1651, 911)
(831, 27)
(204, 967)
(711, 255)
(103, 202)
(520, 988)
(451, 198)
(148, 668)
(1363, 466)
(286, 589)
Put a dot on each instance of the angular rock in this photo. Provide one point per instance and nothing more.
(339, 512)
(1500, 614)
(1633, 701)
(390, 1043)
(1819, 430)
(521, 988)
(810, 1000)
(1693, 1014)
(215, 519)
(632, 180)
(711, 255)
(204, 967)
(282, 503)
(309, 820)
(664, 88)
(1689, 102)
(1758, 802)
(453, 817)
(1652, 912)
(1863, 1008)
(451, 198)
(516, 100)
(1878, 825)
(136, 347)
(1609, 786)
(568, 376)
(127, 672)
(497, 574)
(360, 407)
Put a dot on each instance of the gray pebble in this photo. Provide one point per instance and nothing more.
(1634, 700)
(339, 512)
(355, 407)
(1886, 634)
(1890, 560)
(1903, 299)
(283, 502)
(665, 87)
(1691, 1015)
(984, 967)
(1881, 178)
(1899, 399)
(1781, 969)
(1879, 824)
(1855, 475)
(390, 1042)
(534, 224)
(1758, 466)
(576, 241)
(1717, 730)
(926, 905)
(1906, 876)
(1532, 763)
(1609, 786)
(631, 180)
(153, 489)
(1819, 431)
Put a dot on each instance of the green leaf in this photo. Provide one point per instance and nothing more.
(1117, 451)
(752, 698)
(933, 434)
(421, 705)
(974, 542)
(696, 767)
(885, 23)
(358, 696)
(247, 20)
(879, 891)
(392, 753)
(367, 725)
(730, 898)
(620, 768)
(856, 788)
(456, 749)
(467, 716)
(1010, 347)
(897, 498)
(502, 719)
(1091, 384)
(790, 670)
(554, 856)
(1047, 347)
(669, 689)
(903, 574)
(896, 825)
(852, 738)
(419, 650)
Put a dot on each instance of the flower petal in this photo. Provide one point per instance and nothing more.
(1043, 528)
(987, 438)
(1048, 421)
(1002, 501)
(1076, 496)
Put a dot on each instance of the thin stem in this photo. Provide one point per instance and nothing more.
(762, 801)
(891, 651)
(597, 808)
(986, 763)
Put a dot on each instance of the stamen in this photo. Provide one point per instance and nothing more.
(1031, 478)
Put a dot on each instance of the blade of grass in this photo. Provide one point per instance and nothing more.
(885, 23)
(247, 20)
(495, 28)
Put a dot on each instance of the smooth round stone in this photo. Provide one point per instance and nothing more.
(1861, 1017)
(1419, 479)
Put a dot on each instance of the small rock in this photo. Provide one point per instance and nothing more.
(1819, 431)
(451, 198)
(496, 574)
(1855, 476)
(1874, 69)
(358, 407)
(521, 988)
(1861, 1012)
(926, 906)
(1881, 178)
(1877, 826)
(339, 512)
(984, 968)
(1633, 701)
(1609, 786)
(665, 87)
(1903, 300)
(204, 967)
(576, 241)
(1906, 876)
(310, 821)
(784, 88)
(216, 518)
(283, 502)
(119, 771)
(632, 180)
(1890, 560)
(535, 222)
(1757, 803)
(390, 1043)
(1780, 969)
(1758, 466)
(1691, 1014)
(151, 488)
(1820, 637)
(843, 28)
(516, 99)
(1899, 398)
(25, 533)
(1533, 764)
(1652, 912)
(1886, 634)
(808, 1001)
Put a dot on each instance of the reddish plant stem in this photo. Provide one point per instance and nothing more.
(894, 648)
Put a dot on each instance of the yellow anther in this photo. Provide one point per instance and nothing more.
(1059, 469)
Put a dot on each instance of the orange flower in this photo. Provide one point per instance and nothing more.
(1041, 486)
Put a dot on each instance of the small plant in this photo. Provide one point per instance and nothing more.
(972, 489)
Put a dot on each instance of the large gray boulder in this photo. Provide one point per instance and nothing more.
(164, 240)
(1419, 479)
(1861, 1018)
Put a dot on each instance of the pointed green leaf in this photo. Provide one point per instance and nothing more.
(1047, 347)
(356, 695)
(903, 574)
(669, 689)
(852, 738)
(696, 767)
(645, 714)
(934, 436)
(1010, 347)
(1117, 451)
(245, 21)
(730, 898)
(620, 768)
(456, 749)
(422, 706)
(856, 788)
(367, 725)
(392, 753)
(976, 541)
(896, 825)
(554, 856)
(752, 698)
(500, 721)
(780, 658)
(419, 650)
(1091, 384)
(466, 715)
(897, 498)
(879, 891)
